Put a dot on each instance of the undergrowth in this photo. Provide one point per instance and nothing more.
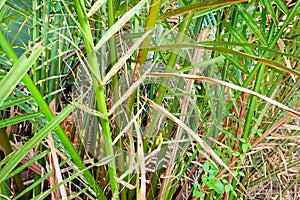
(149, 99)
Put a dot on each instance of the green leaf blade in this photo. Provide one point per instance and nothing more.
(17, 72)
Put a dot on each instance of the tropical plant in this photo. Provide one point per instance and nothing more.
(149, 99)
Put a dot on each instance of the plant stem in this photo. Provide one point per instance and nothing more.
(99, 93)
(150, 24)
(162, 88)
(46, 53)
(48, 114)
(115, 84)
(261, 67)
(55, 64)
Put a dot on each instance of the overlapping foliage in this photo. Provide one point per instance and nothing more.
(149, 99)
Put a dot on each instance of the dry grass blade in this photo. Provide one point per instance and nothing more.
(281, 46)
(270, 63)
(191, 133)
(129, 92)
(274, 127)
(142, 193)
(126, 128)
(89, 110)
(128, 185)
(118, 25)
(258, 140)
(54, 159)
(197, 58)
(95, 7)
(123, 60)
(290, 127)
(230, 85)
(237, 111)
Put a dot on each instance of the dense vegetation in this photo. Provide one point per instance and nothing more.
(149, 99)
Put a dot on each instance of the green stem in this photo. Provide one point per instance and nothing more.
(260, 67)
(115, 84)
(99, 93)
(271, 45)
(35, 36)
(55, 64)
(45, 29)
(4, 190)
(150, 24)
(48, 114)
(170, 66)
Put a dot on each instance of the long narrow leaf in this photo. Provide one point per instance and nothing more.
(230, 85)
(123, 60)
(192, 134)
(15, 101)
(118, 25)
(226, 50)
(17, 72)
(199, 6)
(251, 23)
(2, 2)
(13, 161)
(18, 119)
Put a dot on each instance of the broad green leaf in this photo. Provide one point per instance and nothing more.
(242, 157)
(17, 72)
(198, 193)
(228, 187)
(15, 120)
(196, 185)
(18, 155)
(206, 166)
(245, 147)
(242, 173)
(205, 180)
(213, 172)
(219, 187)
